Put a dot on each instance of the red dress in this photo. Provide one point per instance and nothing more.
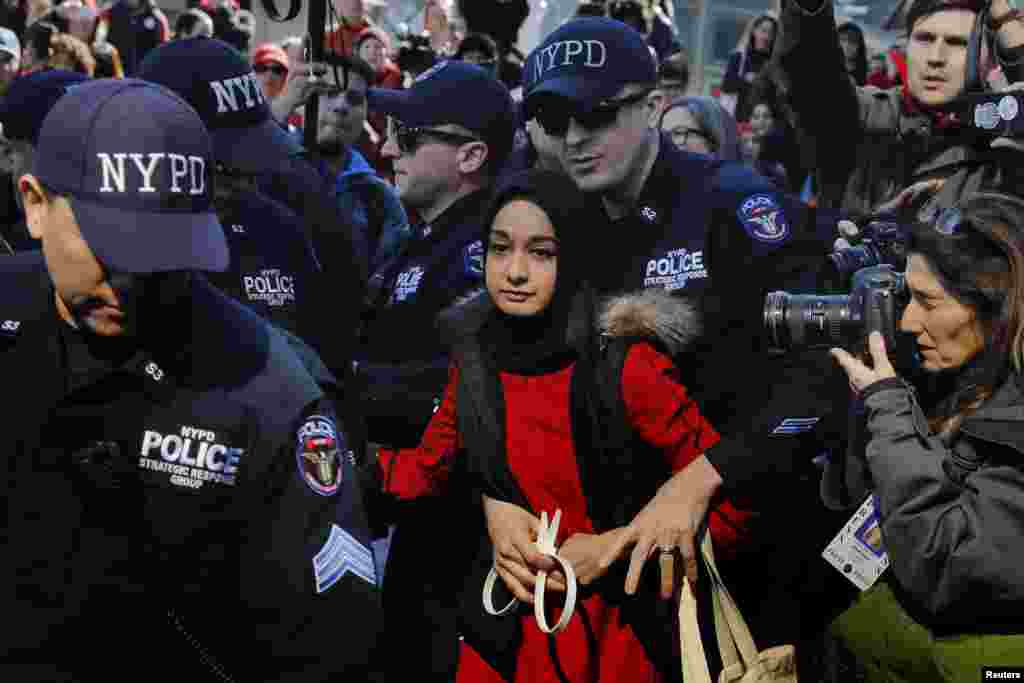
(542, 458)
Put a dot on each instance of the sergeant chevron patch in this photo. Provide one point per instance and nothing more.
(342, 554)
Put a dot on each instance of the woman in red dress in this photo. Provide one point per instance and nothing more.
(528, 423)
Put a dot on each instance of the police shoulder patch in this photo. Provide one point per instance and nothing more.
(318, 455)
(763, 219)
(473, 257)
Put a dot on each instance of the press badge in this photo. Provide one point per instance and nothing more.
(857, 550)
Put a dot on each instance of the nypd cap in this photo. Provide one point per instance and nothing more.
(134, 159)
(220, 84)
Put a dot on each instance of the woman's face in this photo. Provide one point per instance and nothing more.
(685, 131)
(764, 36)
(372, 52)
(522, 259)
(948, 332)
(761, 120)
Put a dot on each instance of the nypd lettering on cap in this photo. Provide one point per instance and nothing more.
(318, 455)
(589, 54)
(238, 93)
(135, 173)
(763, 219)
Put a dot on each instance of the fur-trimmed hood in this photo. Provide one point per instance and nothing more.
(649, 314)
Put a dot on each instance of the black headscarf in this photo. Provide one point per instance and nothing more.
(541, 343)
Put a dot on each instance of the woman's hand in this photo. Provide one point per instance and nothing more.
(668, 522)
(861, 376)
(587, 553)
(513, 533)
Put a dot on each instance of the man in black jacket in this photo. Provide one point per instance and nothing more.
(173, 474)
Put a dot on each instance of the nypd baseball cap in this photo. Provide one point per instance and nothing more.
(134, 160)
(30, 98)
(454, 92)
(220, 84)
(587, 60)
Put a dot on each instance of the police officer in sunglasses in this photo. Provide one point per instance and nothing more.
(717, 234)
(448, 136)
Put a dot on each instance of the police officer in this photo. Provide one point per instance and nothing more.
(273, 268)
(22, 110)
(711, 231)
(448, 135)
(176, 484)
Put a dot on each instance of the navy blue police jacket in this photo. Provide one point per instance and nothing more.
(723, 236)
(275, 271)
(193, 508)
(403, 360)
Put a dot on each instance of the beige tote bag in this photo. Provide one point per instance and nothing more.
(741, 661)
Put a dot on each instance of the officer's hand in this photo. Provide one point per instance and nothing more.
(669, 522)
(513, 533)
(860, 375)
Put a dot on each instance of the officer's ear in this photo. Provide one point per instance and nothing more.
(472, 156)
(35, 200)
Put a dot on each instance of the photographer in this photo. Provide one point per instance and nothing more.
(868, 144)
(943, 457)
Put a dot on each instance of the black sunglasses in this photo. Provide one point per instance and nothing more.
(410, 138)
(554, 118)
(277, 69)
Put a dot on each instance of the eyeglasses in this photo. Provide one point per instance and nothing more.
(276, 69)
(410, 138)
(554, 118)
(355, 98)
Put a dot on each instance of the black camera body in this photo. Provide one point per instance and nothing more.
(876, 302)
(415, 54)
(882, 241)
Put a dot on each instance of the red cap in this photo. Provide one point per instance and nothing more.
(270, 53)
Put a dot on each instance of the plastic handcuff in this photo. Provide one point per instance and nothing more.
(546, 545)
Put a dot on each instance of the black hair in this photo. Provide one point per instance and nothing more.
(981, 265)
(478, 42)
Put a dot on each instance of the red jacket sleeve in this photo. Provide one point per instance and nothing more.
(423, 471)
(664, 416)
(660, 410)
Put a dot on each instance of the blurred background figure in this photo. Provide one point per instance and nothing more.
(479, 49)
(879, 73)
(10, 57)
(673, 82)
(70, 53)
(108, 61)
(374, 47)
(35, 46)
(702, 125)
(752, 53)
(193, 22)
(134, 27)
(270, 64)
(352, 19)
(855, 51)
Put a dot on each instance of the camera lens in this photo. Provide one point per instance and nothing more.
(808, 320)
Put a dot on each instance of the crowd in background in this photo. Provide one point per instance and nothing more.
(443, 161)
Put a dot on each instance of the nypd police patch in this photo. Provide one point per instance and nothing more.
(763, 219)
(319, 455)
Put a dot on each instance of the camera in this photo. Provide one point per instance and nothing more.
(882, 243)
(992, 114)
(415, 55)
(876, 302)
